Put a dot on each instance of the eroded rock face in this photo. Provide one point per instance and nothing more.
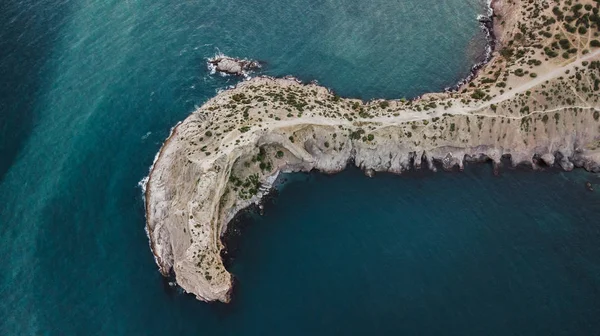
(548, 159)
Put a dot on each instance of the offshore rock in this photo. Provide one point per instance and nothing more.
(233, 66)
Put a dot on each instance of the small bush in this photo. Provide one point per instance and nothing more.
(519, 72)
(478, 94)
(507, 52)
(551, 53)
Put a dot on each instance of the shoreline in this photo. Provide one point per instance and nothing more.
(491, 30)
(233, 151)
(146, 195)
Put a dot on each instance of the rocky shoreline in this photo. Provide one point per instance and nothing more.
(491, 29)
(227, 154)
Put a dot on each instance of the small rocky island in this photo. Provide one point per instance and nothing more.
(535, 101)
(233, 66)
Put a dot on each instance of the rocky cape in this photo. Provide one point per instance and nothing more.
(226, 155)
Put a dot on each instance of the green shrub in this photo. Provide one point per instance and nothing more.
(519, 72)
(478, 94)
(356, 134)
(507, 52)
(551, 53)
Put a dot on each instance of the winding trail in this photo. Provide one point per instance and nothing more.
(541, 79)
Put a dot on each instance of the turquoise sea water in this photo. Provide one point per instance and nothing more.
(89, 91)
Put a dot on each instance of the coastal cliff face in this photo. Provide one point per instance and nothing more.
(527, 103)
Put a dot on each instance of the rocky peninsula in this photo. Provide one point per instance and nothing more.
(535, 101)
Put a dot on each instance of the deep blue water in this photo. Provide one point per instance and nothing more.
(89, 91)
(426, 254)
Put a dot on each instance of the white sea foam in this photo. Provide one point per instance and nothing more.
(144, 181)
(212, 69)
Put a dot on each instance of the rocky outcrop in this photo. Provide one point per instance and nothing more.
(233, 66)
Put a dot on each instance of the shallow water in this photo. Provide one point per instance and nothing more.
(90, 90)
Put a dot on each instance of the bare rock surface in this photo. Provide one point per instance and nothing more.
(233, 66)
